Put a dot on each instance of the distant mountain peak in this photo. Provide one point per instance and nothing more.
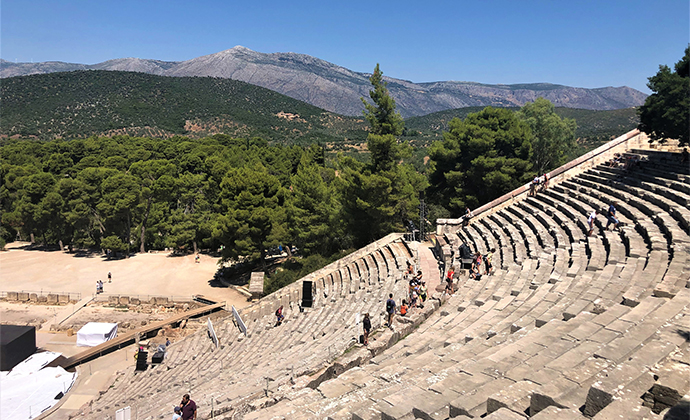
(338, 89)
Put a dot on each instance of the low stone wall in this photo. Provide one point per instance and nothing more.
(40, 297)
(125, 300)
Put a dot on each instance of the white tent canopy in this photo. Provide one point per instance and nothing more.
(30, 389)
(95, 333)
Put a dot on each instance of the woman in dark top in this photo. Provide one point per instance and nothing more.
(367, 328)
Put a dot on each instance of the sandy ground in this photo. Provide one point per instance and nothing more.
(142, 274)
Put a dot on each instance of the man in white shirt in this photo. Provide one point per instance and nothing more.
(590, 221)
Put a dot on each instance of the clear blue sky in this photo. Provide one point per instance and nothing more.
(575, 43)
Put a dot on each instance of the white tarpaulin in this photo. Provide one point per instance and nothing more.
(29, 389)
(95, 333)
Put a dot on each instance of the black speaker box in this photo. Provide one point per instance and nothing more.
(307, 298)
(17, 342)
(141, 360)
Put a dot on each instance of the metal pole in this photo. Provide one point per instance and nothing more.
(422, 220)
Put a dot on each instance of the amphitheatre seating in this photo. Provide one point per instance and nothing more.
(306, 343)
(569, 325)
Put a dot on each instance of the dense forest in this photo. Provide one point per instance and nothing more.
(97, 102)
(593, 127)
(242, 196)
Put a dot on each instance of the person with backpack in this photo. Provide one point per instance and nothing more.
(279, 316)
(390, 309)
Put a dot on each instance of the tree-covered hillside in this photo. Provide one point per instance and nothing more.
(83, 103)
(593, 127)
(108, 103)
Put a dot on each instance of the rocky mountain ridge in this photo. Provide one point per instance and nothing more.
(339, 89)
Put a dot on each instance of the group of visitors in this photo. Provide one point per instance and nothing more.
(99, 283)
(186, 410)
(417, 292)
(478, 260)
(539, 183)
(610, 217)
(627, 161)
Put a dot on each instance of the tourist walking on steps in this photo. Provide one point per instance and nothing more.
(533, 187)
(468, 216)
(590, 222)
(449, 283)
(110, 277)
(188, 408)
(279, 316)
(390, 309)
(422, 293)
(366, 323)
(489, 261)
(612, 216)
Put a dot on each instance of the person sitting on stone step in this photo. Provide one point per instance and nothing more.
(474, 273)
(403, 308)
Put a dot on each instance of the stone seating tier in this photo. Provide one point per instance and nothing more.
(243, 363)
(568, 322)
(542, 349)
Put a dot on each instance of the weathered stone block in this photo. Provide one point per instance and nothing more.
(63, 299)
(113, 300)
(124, 300)
(33, 297)
(12, 296)
(134, 301)
(42, 299)
(22, 297)
(52, 298)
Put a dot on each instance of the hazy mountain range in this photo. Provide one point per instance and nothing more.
(339, 90)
